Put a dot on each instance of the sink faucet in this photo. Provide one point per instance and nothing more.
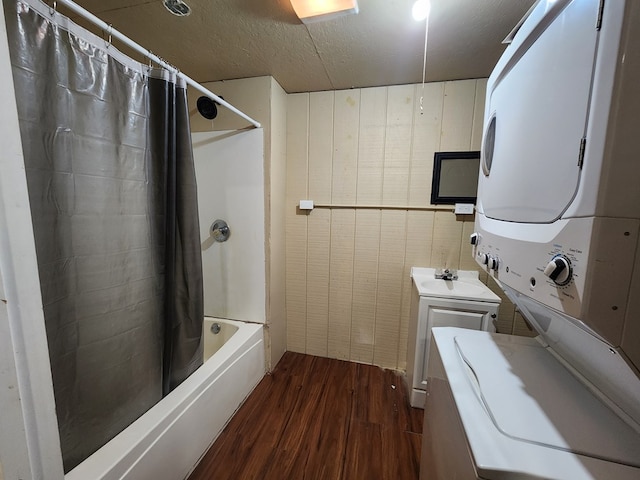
(446, 274)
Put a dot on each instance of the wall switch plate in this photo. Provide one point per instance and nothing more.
(464, 208)
(306, 204)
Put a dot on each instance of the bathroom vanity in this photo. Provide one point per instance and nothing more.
(458, 299)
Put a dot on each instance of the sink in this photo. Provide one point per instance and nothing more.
(449, 288)
(467, 287)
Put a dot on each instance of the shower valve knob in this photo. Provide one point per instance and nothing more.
(220, 231)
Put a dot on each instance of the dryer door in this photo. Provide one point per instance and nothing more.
(538, 102)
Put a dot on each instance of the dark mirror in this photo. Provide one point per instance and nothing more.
(455, 177)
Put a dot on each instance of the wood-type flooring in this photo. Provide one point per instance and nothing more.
(316, 418)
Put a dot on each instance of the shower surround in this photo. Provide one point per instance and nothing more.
(230, 174)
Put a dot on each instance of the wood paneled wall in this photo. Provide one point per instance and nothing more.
(347, 269)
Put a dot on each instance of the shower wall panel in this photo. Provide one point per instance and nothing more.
(230, 176)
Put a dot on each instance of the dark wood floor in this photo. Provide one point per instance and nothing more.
(317, 418)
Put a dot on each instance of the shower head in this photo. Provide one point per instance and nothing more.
(207, 107)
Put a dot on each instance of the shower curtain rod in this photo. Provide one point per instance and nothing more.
(147, 53)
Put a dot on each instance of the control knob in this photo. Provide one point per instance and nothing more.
(559, 270)
(493, 263)
(484, 258)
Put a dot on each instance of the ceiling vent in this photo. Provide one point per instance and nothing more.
(177, 7)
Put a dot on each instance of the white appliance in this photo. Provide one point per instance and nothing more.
(557, 225)
(465, 302)
(501, 407)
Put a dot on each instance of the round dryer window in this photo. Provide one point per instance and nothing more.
(488, 144)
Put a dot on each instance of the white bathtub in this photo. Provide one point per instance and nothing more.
(214, 341)
(167, 441)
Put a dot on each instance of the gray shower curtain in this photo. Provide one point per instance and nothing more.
(112, 188)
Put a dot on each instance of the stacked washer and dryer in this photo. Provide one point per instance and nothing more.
(558, 227)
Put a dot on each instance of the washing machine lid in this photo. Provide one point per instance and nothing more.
(531, 397)
(496, 455)
(538, 100)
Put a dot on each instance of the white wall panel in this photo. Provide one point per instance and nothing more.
(230, 176)
(296, 221)
(371, 144)
(348, 285)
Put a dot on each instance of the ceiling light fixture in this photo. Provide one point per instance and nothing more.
(310, 11)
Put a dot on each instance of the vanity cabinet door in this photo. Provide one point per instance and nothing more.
(450, 313)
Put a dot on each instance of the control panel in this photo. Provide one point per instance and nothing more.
(491, 262)
(549, 271)
(577, 266)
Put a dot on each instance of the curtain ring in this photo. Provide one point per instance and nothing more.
(54, 9)
(109, 35)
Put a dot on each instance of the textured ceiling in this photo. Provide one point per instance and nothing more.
(382, 45)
